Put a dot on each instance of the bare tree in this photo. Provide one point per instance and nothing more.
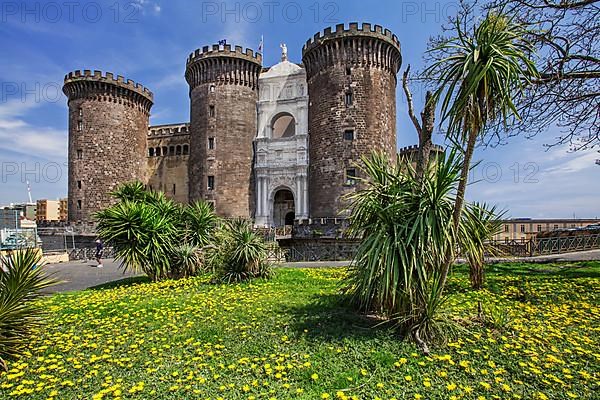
(424, 128)
(566, 36)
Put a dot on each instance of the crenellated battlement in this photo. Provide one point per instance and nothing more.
(224, 51)
(108, 78)
(223, 66)
(363, 46)
(415, 147)
(159, 131)
(353, 29)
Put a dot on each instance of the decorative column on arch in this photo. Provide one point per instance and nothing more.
(262, 207)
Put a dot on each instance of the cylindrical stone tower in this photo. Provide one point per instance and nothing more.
(108, 128)
(223, 96)
(352, 77)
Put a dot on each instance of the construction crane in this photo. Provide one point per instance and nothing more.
(29, 192)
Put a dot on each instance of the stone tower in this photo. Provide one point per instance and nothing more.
(223, 96)
(108, 128)
(352, 77)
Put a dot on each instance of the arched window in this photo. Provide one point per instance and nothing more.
(165, 150)
(178, 150)
(186, 150)
(283, 125)
(171, 150)
(151, 152)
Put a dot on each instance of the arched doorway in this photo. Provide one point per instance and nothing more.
(283, 206)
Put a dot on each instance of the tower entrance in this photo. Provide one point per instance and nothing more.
(283, 208)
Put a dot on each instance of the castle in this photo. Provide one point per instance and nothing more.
(274, 144)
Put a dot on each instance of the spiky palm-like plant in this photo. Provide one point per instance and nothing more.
(480, 223)
(479, 79)
(406, 227)
(200, 223)
(241, 253)
(21, 280)
(141, 235)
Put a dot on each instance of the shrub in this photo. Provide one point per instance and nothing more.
(406, 227)
(21, 280)
(155, 235)
(240, 253)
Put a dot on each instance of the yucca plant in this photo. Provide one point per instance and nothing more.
(406, 228)
(200, 223)
(480, 76)
(241, 253)
(187, 261)
(21, 281)
(480, 223)
(142, 236)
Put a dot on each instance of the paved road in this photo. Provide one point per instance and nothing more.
(82, 275)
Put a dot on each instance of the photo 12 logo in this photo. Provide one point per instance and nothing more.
(50, 172)
(52, 12)
(49, 92)
(270, 11)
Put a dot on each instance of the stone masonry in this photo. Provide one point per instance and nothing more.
(108, 125)
(349, 74)
(352, 111)
(223, 95)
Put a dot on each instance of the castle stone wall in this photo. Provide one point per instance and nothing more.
(108, 125)
(168, 156)
(223, 94)
(360, 63)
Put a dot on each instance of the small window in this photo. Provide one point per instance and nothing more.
(522, 228)
(211, 143)
(78, 184)
(186, 150)
(80, 112)
(80, 154)
(151, 152)
(349, 99)
(539, 228)
(165, 150)
(174, 190)
(79, 126)
(349, 134)
(172, 150)
(79, 204)
(211, 182)
(555, 227)
(351, 177)
(348, 71)
(212, 88)
(211, 111)
(506, 228)
(157, 152)
(178, 150)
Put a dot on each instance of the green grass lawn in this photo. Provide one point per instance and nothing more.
(292, 338)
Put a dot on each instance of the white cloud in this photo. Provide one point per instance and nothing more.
(18, 136)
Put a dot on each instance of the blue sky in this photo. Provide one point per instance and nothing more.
(148, 41)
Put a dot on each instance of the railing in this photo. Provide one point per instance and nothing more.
(545, 246)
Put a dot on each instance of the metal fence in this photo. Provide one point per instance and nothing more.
(546, 246)
(333, 250)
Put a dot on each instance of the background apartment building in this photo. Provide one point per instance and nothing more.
(525, 228)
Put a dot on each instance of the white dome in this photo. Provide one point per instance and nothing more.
(284, 68)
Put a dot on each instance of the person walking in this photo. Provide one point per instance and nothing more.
(99, 251)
